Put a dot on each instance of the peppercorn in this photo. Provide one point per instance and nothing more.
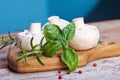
(60, 77)
(80, 71)
(94, 65)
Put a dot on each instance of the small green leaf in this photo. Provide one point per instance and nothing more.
(70, 58)
(31, 43)
(38, 58)
(10, 36)
(69, 31)
(100, 41)
(51, 32)
(26, 62)
(22, 49)
(23, 56)
(5, 43)
(52, 47)
(2, 46)
(36, 46)
(41, 42)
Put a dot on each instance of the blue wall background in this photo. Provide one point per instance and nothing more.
(16, 15)
(71, 9)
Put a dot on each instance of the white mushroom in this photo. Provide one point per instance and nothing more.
(25, 37)
(57, 21)
(86, 36)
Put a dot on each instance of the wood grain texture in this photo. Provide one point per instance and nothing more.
(106, 49)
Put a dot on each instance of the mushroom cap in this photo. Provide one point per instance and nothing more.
(85, 38)
(25, 38)
(57, 21)
(35, 28)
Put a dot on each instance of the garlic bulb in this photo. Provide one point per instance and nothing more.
(25, 37)
(86, 36)
(57, 21)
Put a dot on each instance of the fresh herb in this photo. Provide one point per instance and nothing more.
(51, 32)
(52, 47)
(33, 52)
(59, 40)
(70, 58)
(100, 41)
(5, 42)
(64, 43)
(69, 31)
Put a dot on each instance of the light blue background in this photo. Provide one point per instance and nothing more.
(16, 15)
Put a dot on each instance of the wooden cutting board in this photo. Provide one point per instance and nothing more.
(106, 49)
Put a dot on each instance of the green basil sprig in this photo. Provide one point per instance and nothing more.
(59, 40)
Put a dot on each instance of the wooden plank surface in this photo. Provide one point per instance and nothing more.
(103, 50)
(107, 69)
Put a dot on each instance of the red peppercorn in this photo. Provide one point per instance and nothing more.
(94, 65)
(68, 72)
(59, 71)
(80, 71)
(59, 55)
(60, 77)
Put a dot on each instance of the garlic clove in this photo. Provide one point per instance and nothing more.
(57, 21)
(86, 36)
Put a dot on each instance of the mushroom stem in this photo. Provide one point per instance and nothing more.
(79, 22)
(54, 20)
(35, 28)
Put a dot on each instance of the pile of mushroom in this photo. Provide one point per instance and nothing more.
(25, 37)
(86, 36)
(57, 21)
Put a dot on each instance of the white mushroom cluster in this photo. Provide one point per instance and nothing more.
(25, 37)
(86, 36)
(57, 21)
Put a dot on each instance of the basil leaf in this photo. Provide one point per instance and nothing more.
(64, 43)
(69, 31)
(52, 47)
(70, 58)
(51, 32)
